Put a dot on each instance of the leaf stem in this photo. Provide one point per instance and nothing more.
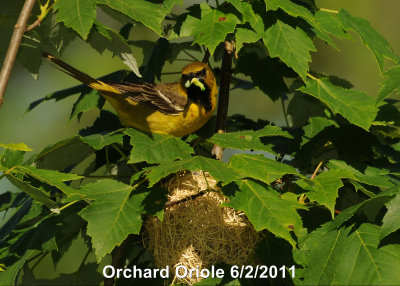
(190, 55)
(316, 170)
(44, 10)
(311, 76)
(329, 10)
(205, 178)
(7, 172)
(81, 265)
(284, 111)
(108, 162)
(67, 205)
(119, 151)
(15, 42)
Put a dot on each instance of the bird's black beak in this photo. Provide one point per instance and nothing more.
(196, 82)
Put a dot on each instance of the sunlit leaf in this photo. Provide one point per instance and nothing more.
(264, 208)
(291, 45)
(156, 148)
(357, 107)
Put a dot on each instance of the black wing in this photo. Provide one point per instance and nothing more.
(163, 97)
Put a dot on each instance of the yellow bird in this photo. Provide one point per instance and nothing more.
(178, 108)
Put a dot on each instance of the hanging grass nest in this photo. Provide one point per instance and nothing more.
(198, 232)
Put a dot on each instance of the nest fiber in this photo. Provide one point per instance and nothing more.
(198, 232)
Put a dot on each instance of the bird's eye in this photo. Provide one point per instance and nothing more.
(203, 72)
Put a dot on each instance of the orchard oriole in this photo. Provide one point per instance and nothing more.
(178, 108)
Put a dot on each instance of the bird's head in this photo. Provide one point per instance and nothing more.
(197, 76)
(199, 82)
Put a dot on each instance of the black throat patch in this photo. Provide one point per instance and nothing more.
(198, 96)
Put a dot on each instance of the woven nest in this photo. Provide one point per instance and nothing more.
(198, 232)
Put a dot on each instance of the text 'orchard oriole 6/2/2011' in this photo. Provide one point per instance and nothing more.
(178, 108)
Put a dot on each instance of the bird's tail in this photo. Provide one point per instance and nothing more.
(81, 76)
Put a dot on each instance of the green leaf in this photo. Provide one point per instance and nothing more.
(15, 146)
(390, 222)
(324, 188)
(86, 102)
(10, 275)
(114, 214)
(120, 47)
(53, 35)
(102, 38)
(329, 23)
(78, 15)
(371, 176)
(370, 37)
(357, 107)
(291, 8)
(30, 56)
(291, 45)
(36, 193)
(249, 16)
(244, 35)
(217, 169)
(264, 208)
(248, 140)
(63, 154)
(51, 177)
(267, 74)
(380, 200)
(156, 148)
(390, 84)
(99, 141)
(212, 28)
(323, 23)
(276, 251)
(260, 167)
(302, 107)
(11, 158)
(26, 242)
(316, 125)
(169, 4)
(18, 210)
(150, 14)
(349, 256)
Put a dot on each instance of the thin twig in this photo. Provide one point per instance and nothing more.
(223, 101)
(316, 170)
(190, 55)
(15, 42)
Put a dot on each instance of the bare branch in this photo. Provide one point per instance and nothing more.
(223, 100)
(206, 56)
(19, 30)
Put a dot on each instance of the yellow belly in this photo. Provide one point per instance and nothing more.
(147, 119)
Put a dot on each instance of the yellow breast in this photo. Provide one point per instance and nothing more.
(147, 119)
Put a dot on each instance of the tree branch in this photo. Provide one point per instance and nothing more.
(19, 30)
(223, 100)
